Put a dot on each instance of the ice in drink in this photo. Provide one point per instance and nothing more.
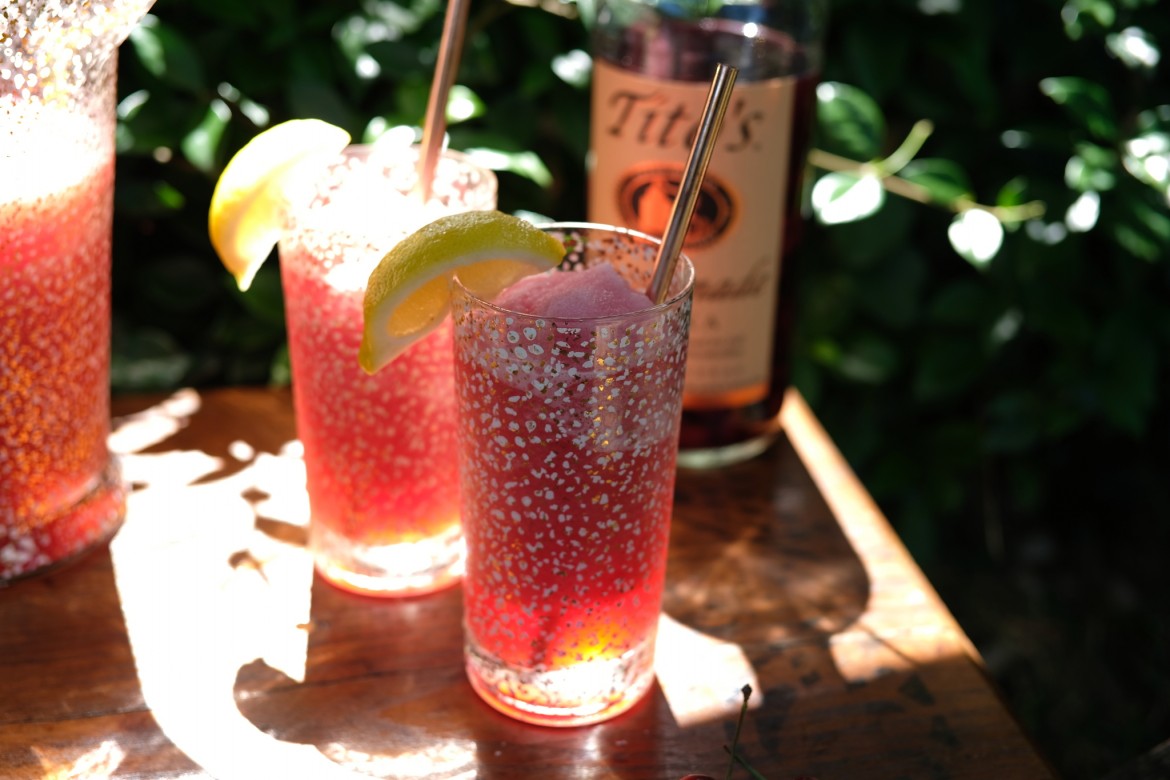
(568, 432)
(379, 450)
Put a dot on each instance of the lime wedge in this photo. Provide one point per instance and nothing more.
(409, 291)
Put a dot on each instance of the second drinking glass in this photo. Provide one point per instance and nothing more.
(379, 450)
(569, 425)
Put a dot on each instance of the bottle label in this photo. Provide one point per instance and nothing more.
(641, 133)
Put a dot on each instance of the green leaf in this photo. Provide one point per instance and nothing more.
(1086, 101)
(976, 235)
(1092, 169)
(846, 197)
(148, 198)
(463, 104)
(200, 145)
(1147, 155)
(1143, 227)
(526, 164)
(167, 55)
(171, 198)
(868, 358)
(574, 68)
(1012, 193)
(1080, 15)
(945, 180)
(280, 371)
(1135, 47)
(849, 122)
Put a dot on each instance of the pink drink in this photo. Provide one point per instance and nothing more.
(59, 488)
(379, 450)
(568, 437)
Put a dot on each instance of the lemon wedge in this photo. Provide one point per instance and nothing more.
(245, 217)
(409, 290)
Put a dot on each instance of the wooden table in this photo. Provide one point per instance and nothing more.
(200, 644)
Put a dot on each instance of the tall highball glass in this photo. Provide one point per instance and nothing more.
(568, 434)
(379, 450)
(60, 489)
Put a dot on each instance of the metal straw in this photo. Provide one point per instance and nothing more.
(446, 67)
(688, 190)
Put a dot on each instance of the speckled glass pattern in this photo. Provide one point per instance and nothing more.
(379, 450)
(60, 490)
(568, 433)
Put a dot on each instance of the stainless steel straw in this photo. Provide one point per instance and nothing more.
(688, 191)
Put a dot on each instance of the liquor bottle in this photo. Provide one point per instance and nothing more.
(652, 67)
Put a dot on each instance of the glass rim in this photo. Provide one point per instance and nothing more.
(685, 266)
(298, 195)
(394, 150)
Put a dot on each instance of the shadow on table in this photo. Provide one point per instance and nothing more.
(214, 598)
(758, 566)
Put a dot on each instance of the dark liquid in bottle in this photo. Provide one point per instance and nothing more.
(689, 51)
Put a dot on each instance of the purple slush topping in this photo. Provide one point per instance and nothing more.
(598, 291)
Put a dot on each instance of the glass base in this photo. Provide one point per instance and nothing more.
(715, 457)
(408, 569)
(587, 692)
(55, 542)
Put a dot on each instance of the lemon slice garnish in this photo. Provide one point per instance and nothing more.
(245, 217)
(409, 291)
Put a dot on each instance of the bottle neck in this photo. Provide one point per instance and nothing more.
(685, 41)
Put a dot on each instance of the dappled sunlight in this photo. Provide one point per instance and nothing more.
(150, 426)
(205, 591)
(254, 667)
(452, 759)
(97, 764)
(220, 581)
(901, 622)
(701, 677)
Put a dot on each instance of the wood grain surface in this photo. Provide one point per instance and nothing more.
(200, 644)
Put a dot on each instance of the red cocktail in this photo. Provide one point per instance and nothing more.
(568, 423)
(59, 487)
(379, 450)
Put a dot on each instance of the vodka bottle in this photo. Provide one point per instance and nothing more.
(653, 64)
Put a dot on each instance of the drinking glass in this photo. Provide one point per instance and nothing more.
(568, 436)
(379, 450)
(60, 489)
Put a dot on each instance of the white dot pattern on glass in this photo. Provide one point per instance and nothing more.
(379, 450)
(57, 495)
(568, 437)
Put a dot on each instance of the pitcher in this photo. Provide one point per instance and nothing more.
(60, 489)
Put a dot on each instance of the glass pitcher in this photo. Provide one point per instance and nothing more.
(60, 488)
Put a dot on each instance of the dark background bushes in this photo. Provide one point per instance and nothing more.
(1008, 412)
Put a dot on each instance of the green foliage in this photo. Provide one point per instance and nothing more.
(985, 284)
(199, 79)
(988, 339)
(1054, 189)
